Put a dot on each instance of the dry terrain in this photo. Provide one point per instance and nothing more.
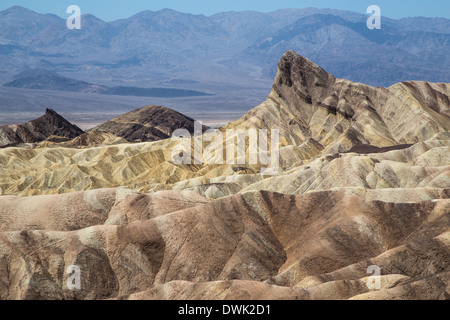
(364, 180)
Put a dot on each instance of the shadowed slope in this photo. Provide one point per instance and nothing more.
(178, 245)
(149, 123)
(38, 130)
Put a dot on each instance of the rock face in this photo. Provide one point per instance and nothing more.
(259, 245)
(364, 181)
(150, 123)
(38, 130)
(312, 107)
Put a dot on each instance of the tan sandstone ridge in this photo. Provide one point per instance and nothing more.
(364, 180)
(144, 167)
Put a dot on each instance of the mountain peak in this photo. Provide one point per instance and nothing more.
(333, 115)
(298, 76)
(25, 13)
(52, 113)
(294, 67)
(50, 124)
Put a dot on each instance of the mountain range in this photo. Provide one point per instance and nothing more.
(317, 115)
(225, 48)
(231, 56)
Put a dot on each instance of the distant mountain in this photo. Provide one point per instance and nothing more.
(50, 124)
(350, 50)
(153, 92)
(225, 49)
(47, 80)
(150, 123)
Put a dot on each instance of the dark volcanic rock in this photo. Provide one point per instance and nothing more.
(50, 124)
(150, 123)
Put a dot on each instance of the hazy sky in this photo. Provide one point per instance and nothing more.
(116, 9)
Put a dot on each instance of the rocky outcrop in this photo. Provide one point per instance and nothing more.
(38, 130)
(150, 123)
(310, 105)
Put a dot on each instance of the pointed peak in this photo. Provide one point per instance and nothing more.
(294, 65)
(51, 112)
(300, 78)
(54, 117)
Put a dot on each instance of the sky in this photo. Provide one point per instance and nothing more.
(109, 10)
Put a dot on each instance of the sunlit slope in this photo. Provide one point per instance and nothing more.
(318, 117)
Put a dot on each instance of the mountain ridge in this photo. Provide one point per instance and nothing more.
(338, 114)
(158, 39)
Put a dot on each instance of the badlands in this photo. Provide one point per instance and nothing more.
(363, 181)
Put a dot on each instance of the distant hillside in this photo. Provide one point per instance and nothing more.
(153, 92)
(47, 80)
